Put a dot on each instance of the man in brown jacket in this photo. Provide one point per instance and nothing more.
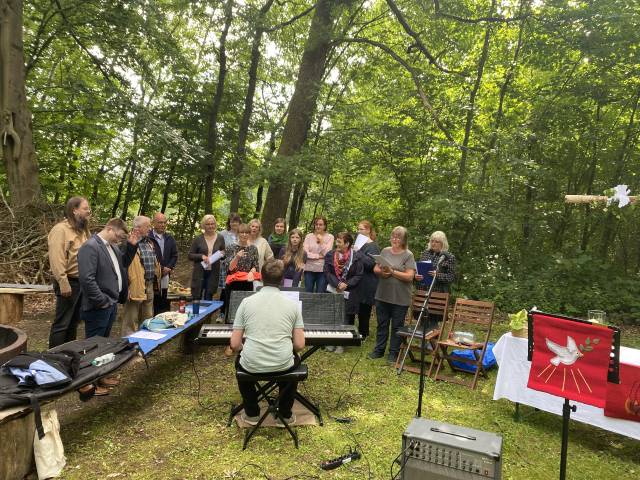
(65, 239)
(144, 277)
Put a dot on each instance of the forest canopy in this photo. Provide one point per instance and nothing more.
(471, 117)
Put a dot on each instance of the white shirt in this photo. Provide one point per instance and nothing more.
(114, 259)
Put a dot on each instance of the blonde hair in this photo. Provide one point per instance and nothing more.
(401, 233)
(296, 256)
(368, 226)
(439, 236)
(255, 221)
(208, 216)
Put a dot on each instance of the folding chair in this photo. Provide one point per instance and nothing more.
(439, 305)
(475, 317)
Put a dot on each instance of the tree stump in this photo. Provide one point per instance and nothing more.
(11, 307)
(16, 445)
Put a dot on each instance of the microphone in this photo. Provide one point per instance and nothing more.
(440, 260)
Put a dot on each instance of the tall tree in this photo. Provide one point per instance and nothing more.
(16, 137)
(301, 109)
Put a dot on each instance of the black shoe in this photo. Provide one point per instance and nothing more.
(373, 355)
(391, 358)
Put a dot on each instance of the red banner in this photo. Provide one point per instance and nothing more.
(570, 359)
(623, 399)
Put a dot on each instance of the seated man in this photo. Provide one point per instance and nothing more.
(272, 325)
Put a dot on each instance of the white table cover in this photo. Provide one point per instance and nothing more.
(513, 375)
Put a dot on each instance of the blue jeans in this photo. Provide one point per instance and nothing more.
(98, 322)
(315, 282)
(389, 314)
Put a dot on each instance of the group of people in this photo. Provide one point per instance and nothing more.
(93, 273)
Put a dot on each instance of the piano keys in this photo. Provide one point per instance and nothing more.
(315, 335)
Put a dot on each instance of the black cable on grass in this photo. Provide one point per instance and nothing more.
(264, 474)
(212, 407)
(395, 460)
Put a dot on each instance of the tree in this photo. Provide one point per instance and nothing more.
(18, 151)
(301, 108)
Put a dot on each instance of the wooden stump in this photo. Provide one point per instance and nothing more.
(16, 447)
(11, 308)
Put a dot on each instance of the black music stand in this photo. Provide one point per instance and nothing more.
(613, 377)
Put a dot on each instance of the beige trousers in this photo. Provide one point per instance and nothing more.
(135, 312)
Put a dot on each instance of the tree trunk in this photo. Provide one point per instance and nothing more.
(101, 170)
(167, 185)
(241, 149)
(144, 203)
(591, 176)
(472, 102)
(123, 178)
(296, 204)
(16, 136)
(301, 108)
(212, 135)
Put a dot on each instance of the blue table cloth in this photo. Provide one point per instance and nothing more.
(147, 345)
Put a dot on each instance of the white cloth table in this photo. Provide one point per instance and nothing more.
(513, 375)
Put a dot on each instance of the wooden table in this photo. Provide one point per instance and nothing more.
(12, 300)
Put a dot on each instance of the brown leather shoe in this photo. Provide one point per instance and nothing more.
(109, 382)
(101, 391)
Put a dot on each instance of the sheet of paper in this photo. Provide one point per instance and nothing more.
(360, 241)
(295, 296)
(147, 335)
(213, 258)
(287, 282)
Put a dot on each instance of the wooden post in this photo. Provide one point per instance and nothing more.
(11, 308)
(590, 198)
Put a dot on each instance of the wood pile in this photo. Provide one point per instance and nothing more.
(23, 243)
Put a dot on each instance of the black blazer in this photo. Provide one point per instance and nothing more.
(170, 257)
(199, 248)
(98, 278)
(354, 275)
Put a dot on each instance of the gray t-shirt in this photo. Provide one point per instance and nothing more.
(392, 290)
(268, 319)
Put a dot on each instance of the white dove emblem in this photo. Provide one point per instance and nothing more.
(566, 355)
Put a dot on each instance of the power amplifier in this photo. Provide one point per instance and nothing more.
(439, 451)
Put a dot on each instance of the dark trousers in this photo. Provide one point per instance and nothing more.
(98, 322)
(364, 314)
(65, 324)
(160, 302)
(315, 282)
(389, 315)
(232, 287)
(249, 392)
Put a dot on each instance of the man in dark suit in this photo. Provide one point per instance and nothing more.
(167, 254)
(103, 276)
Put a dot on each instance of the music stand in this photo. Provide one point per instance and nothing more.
(424, 309)
(612, 376)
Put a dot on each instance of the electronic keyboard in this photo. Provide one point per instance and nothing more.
(314, 335)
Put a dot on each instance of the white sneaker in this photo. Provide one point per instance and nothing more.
(290, 421)
(339, 349)
(329, 348)
(250, 420)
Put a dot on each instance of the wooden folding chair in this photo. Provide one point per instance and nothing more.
(439, 305)
(471, 316)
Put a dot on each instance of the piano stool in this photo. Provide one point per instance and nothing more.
(266, 384)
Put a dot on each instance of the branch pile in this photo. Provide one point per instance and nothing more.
(23, 243)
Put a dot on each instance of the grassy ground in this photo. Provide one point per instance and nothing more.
(169, 423)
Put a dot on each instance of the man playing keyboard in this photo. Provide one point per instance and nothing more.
(274, 333)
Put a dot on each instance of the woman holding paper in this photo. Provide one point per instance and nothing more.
(369, 283)
(343, 270)
(395, 267)
(293, 257)
(316, 245)
(206, 265)
(242, 265)
(437, 248)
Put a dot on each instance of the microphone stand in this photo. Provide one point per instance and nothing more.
(424, 309)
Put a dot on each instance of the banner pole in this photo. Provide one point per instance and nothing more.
(566, 414)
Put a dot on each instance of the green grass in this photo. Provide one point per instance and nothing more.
(153, 426)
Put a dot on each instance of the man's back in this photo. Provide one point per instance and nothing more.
(268, 319)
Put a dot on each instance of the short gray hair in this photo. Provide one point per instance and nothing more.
(140, 220)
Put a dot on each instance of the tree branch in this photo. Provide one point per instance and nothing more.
(417, 42)
(439, 13)
(291, 20)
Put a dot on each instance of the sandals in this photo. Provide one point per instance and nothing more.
(87, 392)
(109, 382)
